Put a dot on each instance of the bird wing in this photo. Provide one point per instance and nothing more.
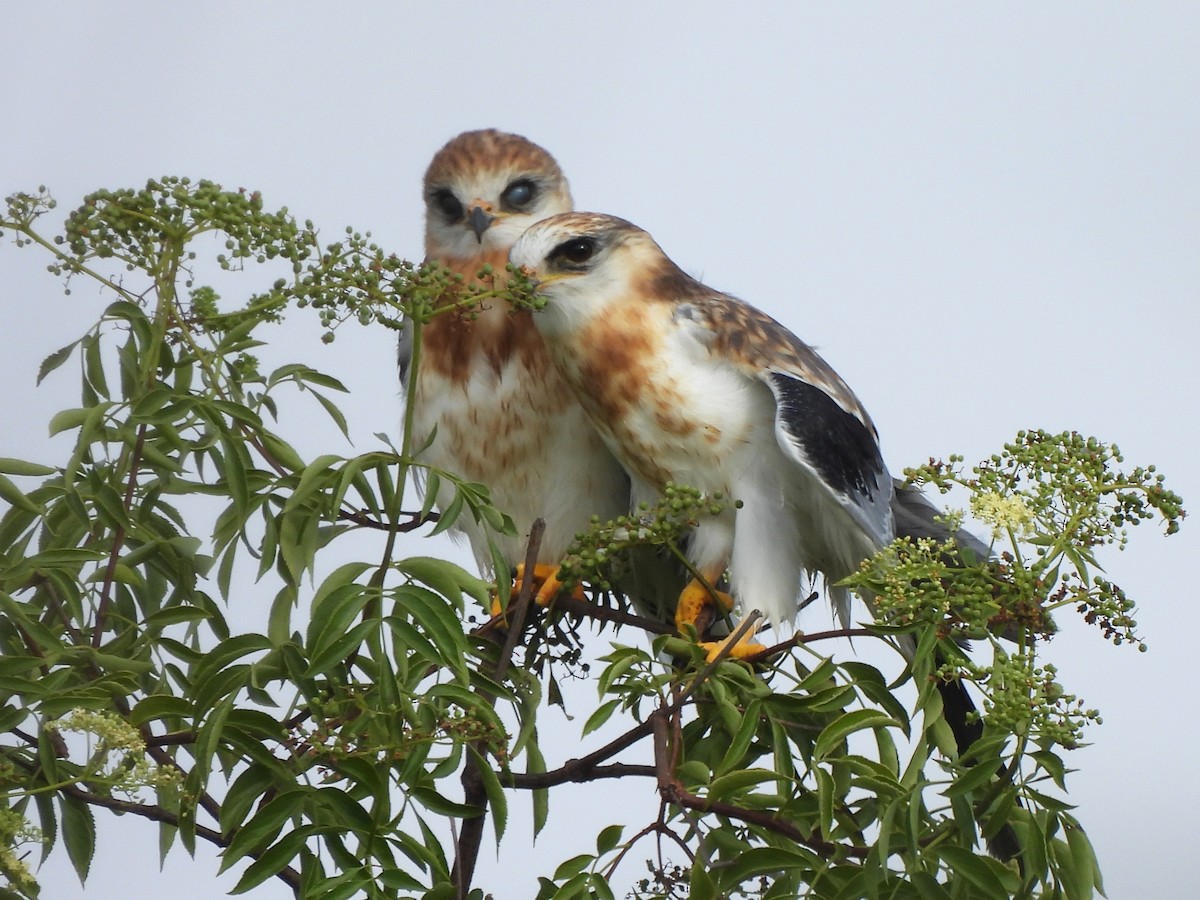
(819, 423)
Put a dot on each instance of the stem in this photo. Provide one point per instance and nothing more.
(118, 541)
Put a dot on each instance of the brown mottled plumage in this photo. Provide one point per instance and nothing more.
(503, 415)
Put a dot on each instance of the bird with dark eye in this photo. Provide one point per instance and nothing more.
(576, 251)
(519, 194)
(450, 205)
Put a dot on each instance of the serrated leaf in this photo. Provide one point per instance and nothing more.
(54, 360)
(334, 413)
(262, 828)
(79, 834)
(826, 791)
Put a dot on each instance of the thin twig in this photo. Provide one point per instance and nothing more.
(800, 638)
(470, 837)
(416, 520)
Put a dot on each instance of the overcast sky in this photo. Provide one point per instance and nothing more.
(986, 217)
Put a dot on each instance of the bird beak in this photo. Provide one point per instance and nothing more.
(479, 221)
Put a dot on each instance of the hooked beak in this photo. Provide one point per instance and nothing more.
(479, 221)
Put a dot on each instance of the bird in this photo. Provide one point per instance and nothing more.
(488, 404)
(688, 385)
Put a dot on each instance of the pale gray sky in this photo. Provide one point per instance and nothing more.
(986, 217)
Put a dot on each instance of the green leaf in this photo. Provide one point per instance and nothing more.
(11, 466)
(264, 826)
(974, 778)
(311, 480)
(727, 785)
(443, 806)
(334, 413)
(747, 728)
(839, 729)
(569, 868)
(54, 360)
(333, 614)
(79, 834)
(444, 577)
(17, 497)
(977, 871)
(600, 715)
(244, 794)
(274, 859)
(826, 791)
(67, 419)
(768, 861)
(160, 706)
(608, 839)
(540, 797)
(497, 801)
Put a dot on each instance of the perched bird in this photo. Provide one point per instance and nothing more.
(692, 386)
(497, 410)
(689, 385)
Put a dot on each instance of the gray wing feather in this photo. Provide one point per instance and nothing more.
(838, 447)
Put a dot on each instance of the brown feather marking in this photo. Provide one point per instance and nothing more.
(502, 151)
(452, 339)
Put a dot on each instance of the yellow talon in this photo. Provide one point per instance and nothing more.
(546, 586)
(699, 606)
(746, 646)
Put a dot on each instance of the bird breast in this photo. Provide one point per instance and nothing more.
(667, 408)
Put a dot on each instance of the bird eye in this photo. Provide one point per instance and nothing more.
(576, 250)
(450, 206)
(518, 194)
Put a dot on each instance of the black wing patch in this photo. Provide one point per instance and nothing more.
(838, 445)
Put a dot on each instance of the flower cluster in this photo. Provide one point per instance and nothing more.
(119, 755)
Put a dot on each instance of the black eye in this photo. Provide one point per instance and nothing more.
(444, 200)
(576, 250)
(519, 194)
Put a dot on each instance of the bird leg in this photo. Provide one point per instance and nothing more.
(546, 586)
(700, 604)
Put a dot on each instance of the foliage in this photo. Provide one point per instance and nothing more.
(324, 749)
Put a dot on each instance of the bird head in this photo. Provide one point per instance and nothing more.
(581, 263)
(483, 189)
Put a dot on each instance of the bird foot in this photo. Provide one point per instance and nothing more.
(546, 586)
(744, 647)
(699, 606)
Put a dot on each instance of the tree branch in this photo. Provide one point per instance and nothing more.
(466, 852)
(673, 791)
